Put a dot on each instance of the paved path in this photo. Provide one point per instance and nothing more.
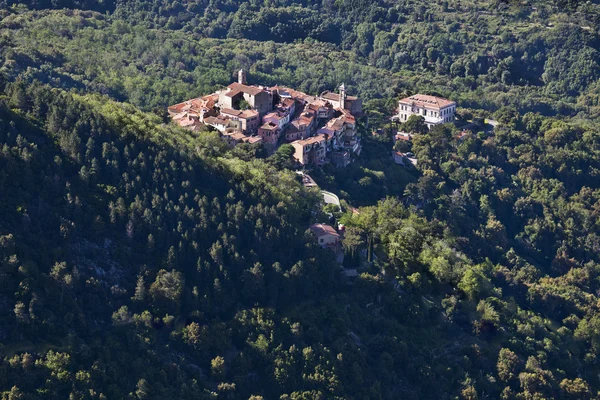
(328, 197)
(331, 198)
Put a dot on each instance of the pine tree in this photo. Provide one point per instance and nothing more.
(140, 289)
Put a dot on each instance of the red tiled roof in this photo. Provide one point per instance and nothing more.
(188, 122)
(335, 124)
(178, 108)
(252, 139)
(239, 113)
(288, 102)
(221, 120)
(423, 100)
(276, 115)
(236, 135)
(331, 96)
(311, 140)
(322, 230)
(232, 93)
(196, 104)
(252, 90)
(320, 103)
(307, 118)
(269, 126)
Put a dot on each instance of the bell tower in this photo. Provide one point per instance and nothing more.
(242, 77)
(342, 96)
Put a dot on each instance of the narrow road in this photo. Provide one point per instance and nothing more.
(331, 198)
(328, 197)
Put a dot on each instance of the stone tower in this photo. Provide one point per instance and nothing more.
(242, 77)
(342, 96)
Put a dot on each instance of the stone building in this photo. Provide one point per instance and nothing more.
(310, 151)
(342, 100)
(435, 110)
(257, 97)
(270, 133)
(249, 118)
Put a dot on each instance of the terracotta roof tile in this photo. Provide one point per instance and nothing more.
(269, 126)
(322, 230)
(252, 90)
(311, 140)
(423, 100)
(331, 96)
(245, 114)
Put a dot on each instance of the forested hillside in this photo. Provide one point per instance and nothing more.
(142, 261)
(536, 56)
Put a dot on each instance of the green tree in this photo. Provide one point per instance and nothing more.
(283, 157)
(166, 289)
(415, 124)
(508, 365)
(217, 367)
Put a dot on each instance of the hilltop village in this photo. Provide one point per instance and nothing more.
(321, 129)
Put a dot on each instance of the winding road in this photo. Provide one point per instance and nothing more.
(331, 198)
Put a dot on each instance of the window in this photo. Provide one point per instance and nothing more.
(321, 240)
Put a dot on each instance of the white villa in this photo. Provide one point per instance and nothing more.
(435, 110)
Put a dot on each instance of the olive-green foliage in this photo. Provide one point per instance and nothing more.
(483, 54)
(140, 260)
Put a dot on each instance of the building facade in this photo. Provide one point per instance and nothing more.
(258, 98)
(326, 236)
(342, 101)
(249, 118)
(270, 133)
(435, 110)
(310, 151)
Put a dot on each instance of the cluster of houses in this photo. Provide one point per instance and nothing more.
(320, 128)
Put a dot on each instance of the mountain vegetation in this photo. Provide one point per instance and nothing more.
(142, 261)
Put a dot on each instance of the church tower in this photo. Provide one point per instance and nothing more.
(242, 77)
(342, 96)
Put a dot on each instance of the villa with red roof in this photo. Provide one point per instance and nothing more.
(326, 236)
(435, 110)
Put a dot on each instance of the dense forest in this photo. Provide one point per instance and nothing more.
(142, 261)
